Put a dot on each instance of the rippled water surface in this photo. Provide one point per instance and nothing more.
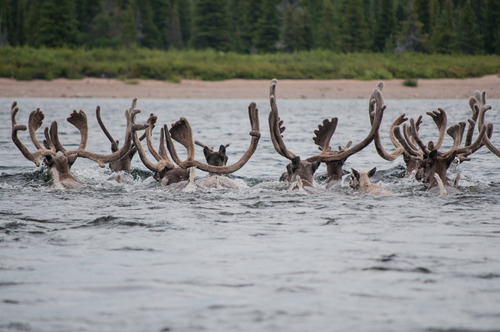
(137, 257)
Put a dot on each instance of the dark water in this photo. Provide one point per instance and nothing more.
(138, 257)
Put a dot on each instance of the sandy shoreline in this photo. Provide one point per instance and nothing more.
(248, 89)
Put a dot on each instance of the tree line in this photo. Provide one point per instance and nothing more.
(256, 26)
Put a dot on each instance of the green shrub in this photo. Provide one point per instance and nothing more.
(412, 83)
(26, 63)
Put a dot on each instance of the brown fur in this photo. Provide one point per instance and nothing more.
(361, 182)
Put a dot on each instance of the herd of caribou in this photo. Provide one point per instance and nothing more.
(423, 161)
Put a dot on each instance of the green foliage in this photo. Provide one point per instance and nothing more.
(53, 23)
(443, 38)
(410, 37)
(469, 40)
(412, 83)
(492, 38)
(26, 63)
(354, 31)
(328, 28)
(210, 25)
(385, 25)
(297, 29)
(268, 33)
(256, 26)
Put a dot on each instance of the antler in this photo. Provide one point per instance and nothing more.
(131, 127)
(441, 120)
(114, 143)
(181, 131)
(35, 121)
(377, 102)
(276, 125)
(327, 156)
(163, 162)
(324, 133)
(479, 108)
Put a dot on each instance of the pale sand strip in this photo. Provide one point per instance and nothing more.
(248, 89)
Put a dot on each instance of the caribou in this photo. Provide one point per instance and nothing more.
(120, 167)
(360, 181)
(164, 171)
(56, 157)
(413, 163)
(182, 133)
(433, 164)
(300, 172)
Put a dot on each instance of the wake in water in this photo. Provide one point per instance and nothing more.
(96, 178)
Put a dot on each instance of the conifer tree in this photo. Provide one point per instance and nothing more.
(53, 23)
(435, 12)
(6, 23)
(328, 28)
(492, 37)
(268, 32)
(423, 9)
(161, 18)
(85, 10)
(210, 25)
(129, 33)
(184, 10)
(410, 38)
(354, 31)
(385, 24)
(443, 38)
(20, 26)
(469, 41)
(146, 31)
(250, 11)
(297, 29)
(315, 9)
(174, 33)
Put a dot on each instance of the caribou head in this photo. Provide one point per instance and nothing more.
(214, 158)
(57, 158)
(303, 170)
(360, 181)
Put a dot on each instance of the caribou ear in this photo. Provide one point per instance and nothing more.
(355, 173)
(315, 166)
(222, 150)
(433, 155)
(295, 162)
(206, 151)
(372, 172)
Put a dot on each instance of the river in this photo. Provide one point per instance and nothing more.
(135, 256)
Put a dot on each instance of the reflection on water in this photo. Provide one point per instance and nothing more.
(137, 257)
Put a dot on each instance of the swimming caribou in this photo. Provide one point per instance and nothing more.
(360, 181)
(300, 172)
(434, 164)
(58, 159)
(181, 132)
(412, 162)
(424, 161)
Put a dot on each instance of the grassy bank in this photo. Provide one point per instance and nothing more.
(24, 63)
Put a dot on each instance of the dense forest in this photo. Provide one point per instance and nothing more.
(256, 26)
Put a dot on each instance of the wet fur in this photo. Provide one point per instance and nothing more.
(360, 181)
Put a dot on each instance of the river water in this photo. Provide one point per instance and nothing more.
(136, 256)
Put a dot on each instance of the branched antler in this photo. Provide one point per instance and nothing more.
(181, 132)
